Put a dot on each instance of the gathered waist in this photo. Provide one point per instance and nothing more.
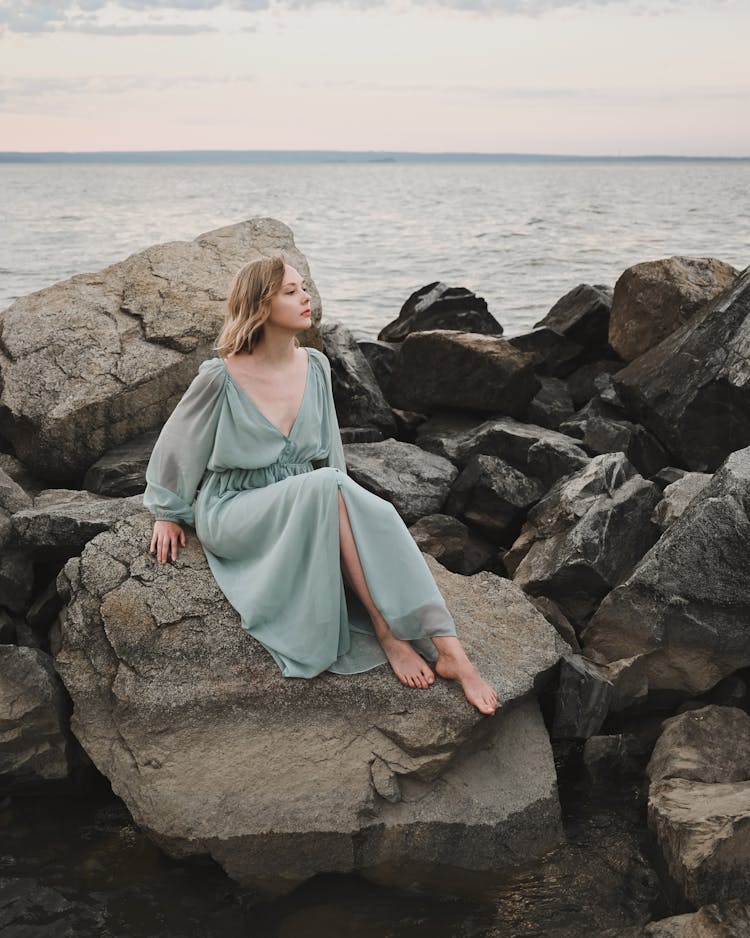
(219, 483)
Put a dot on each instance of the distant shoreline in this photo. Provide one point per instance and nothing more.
(334, 156)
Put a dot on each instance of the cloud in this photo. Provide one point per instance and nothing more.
(29, 16)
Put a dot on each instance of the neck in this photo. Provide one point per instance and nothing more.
(275, 346)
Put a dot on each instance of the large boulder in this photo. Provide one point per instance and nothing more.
(437, 306)
(692, 390)
(682, 615)
(699, 803)
(358, 398)
(654, 298)
(586, 535)
(444, 368)
(93, 361)
(214, 752)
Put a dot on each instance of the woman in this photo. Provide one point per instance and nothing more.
(277, 515)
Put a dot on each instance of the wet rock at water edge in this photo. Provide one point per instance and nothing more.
(699, 803)
(92, 362)
(654, 298)
(357, 395)
(586, 535)
(452, 544)
(493, 497)
(437, 306)
(415, 482)
(582, 700)
(681, 617)
(303, 777)
(466, 370)
(692, 390)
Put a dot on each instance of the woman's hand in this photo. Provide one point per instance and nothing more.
(167, 535)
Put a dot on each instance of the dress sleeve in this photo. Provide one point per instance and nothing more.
(335, 456)
(182, 451)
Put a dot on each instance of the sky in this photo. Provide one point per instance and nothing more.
(588, 77)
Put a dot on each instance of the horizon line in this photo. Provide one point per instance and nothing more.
(31, 155)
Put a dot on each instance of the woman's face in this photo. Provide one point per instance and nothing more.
(290, 306)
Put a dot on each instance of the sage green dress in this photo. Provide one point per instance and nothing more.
(267, 516)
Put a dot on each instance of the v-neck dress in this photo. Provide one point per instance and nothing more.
(264, 505)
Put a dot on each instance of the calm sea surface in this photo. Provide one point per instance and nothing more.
(519, 234)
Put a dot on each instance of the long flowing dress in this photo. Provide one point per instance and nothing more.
(266, 513)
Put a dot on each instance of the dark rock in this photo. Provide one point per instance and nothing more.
(121, 471)
(582, 315)
(357, 395)
(452, 544)
(361, 435)
(588, 533)
(494, 497)
(551, 352)
(582, 383)
(667, 476)
(677, 496)
(551, 405)
(381, 357)
(582, 700)
(553, 614)
(692, 390)
(415, 482)
(536, 451)
(654, 298)
(441, 368)
(608, 757)
(437, 306)
(681, 618)
(606, 435)
(44, 609)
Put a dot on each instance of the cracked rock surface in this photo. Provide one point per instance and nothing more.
(93, 361)
(277, 779)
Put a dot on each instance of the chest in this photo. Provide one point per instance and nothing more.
(278, 396)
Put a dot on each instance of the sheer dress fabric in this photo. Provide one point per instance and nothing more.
(264, 506)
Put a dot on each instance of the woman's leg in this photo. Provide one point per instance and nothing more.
(409, 667)
(453, 663)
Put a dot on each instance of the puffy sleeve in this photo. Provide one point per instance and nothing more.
(182, 451)
(336, 452)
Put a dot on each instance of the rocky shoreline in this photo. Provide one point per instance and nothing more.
(581, 494)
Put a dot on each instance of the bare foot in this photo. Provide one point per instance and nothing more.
(457, 667)
(409, 667)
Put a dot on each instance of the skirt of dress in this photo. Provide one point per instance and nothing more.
(274, 551)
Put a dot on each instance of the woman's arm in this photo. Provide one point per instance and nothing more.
(180, 456)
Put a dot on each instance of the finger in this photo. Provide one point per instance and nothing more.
(163, 548)
(153, 543)
(173, 546)
(182, 538)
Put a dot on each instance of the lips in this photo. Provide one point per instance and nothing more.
(305, 312)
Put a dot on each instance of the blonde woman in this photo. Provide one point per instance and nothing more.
(256, 437)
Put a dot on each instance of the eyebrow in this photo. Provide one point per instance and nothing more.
(292, 283)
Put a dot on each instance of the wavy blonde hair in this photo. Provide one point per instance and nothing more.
(249, 304)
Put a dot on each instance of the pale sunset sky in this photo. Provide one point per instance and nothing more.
(589, 77)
